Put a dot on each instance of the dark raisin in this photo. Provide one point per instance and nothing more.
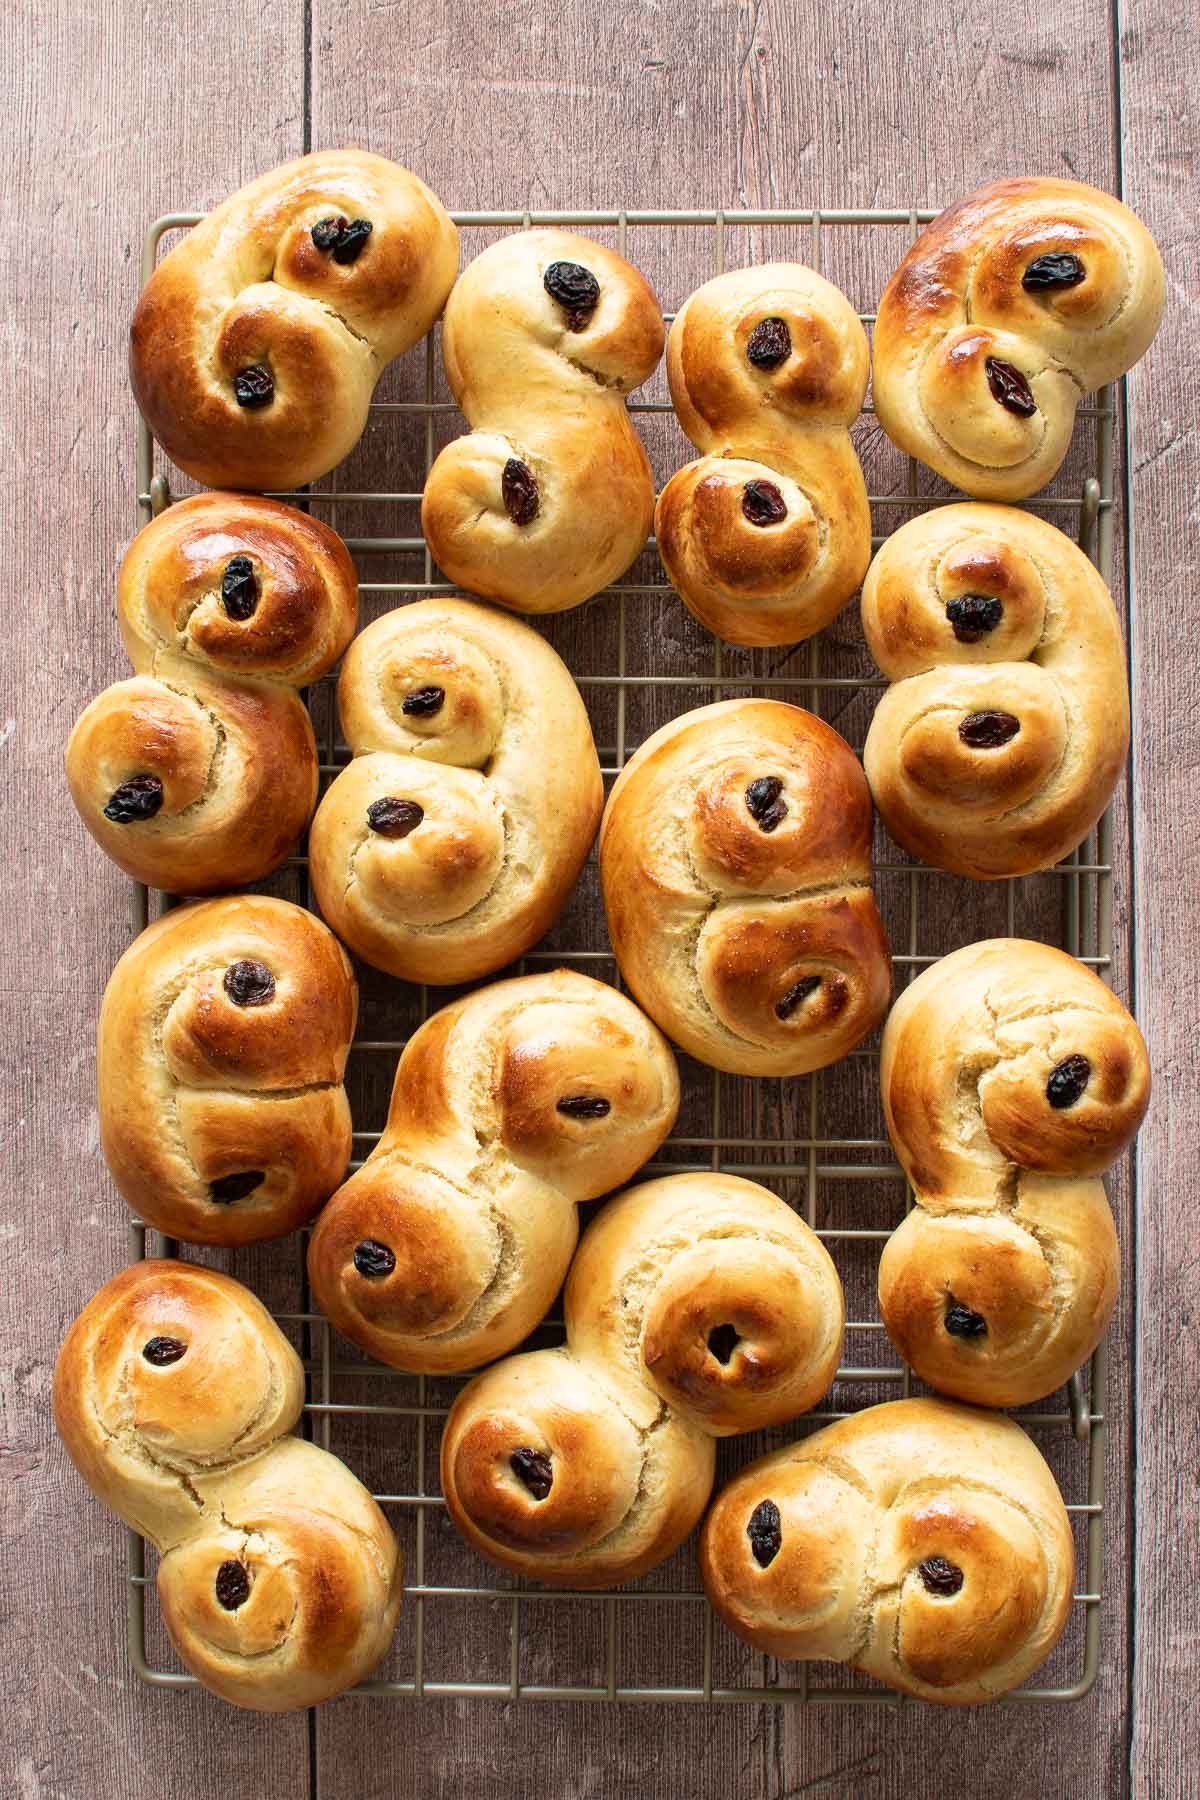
(973, 615)
(960, 1321)
(764, 802)
(770, 343)
(808, 984)
(326, 232)
(940, 1576)
(988, 730)
(233, 1584)
(352, 241)
(239, 589)
(764, 1533)
(1010, 387)
(249, 983)
(254, 387)
(520, 492)
(236, 1187)
(422, 703)
(584, 1106)
(576, 290)
(138, 798)
(1057, 269)
(163, 1350)
(374, 1260)
(1067, 1081)
(394, 818)
(723, 1340)
(533, 1468)
(762, 503)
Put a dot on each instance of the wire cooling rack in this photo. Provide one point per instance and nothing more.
(819, 1141)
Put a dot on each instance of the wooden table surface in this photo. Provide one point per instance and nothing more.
(114, 113)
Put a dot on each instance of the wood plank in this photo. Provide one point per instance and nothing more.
(112, 114)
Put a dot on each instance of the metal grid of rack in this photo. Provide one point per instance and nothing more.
(1070, 1428)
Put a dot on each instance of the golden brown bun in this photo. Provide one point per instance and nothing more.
(543, 388)
(925, 1543)
(698, 1306)
(999, 1284)
(222, 1045)
(498, 785)
(447, 1247)
(249, 288)
(1030, 659)
(753, 941)
(212, 715)
(1055, 282)
(768, 368)
(280, 1579)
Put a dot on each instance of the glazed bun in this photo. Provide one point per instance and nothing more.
(200, 772)
(221, 1050)
(924, 1543)
(1012, 305)
(1012, 1078)
(697, 1306)
(549, 497)
(258, 340)
(451, 842)
(509, 1108)
(1005, 731)
(735, 858)
(280, 1579)
(768, 535)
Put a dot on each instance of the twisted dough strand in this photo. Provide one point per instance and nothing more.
(696, 1307)
(769, 534)
(201, 772)
(280, 1579)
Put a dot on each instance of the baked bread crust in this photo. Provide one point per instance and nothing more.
(249, 288)
(228, 605)
(768, 535)
(863, 1507)
(1012, 1078)
(1055, 281)
(698, 1305)
(220, 1055)
(753, 941)
(543, 387)
(510, 1107)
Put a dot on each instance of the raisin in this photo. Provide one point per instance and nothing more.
(940, 1576)
(533, 1468)
(373, 1259)
(394, 818)
(1057, 269)
(762, 503)
(764, 802)
(138, 798)
(352, 241)
(1068, 1081)
(764, 1533)
(422, 703)
(249, 983)
(232, 1584)
(723, 1340)
(988, 730)
(163, 1350)
(960, 1321)
(584, 1106)
(326, 232)
(973, 615)
(519, 491)
(254, 387)
(1010, 387)
(576, 290)
(239, 589)
(770, 343)
(236, 1187)
(808, 984)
